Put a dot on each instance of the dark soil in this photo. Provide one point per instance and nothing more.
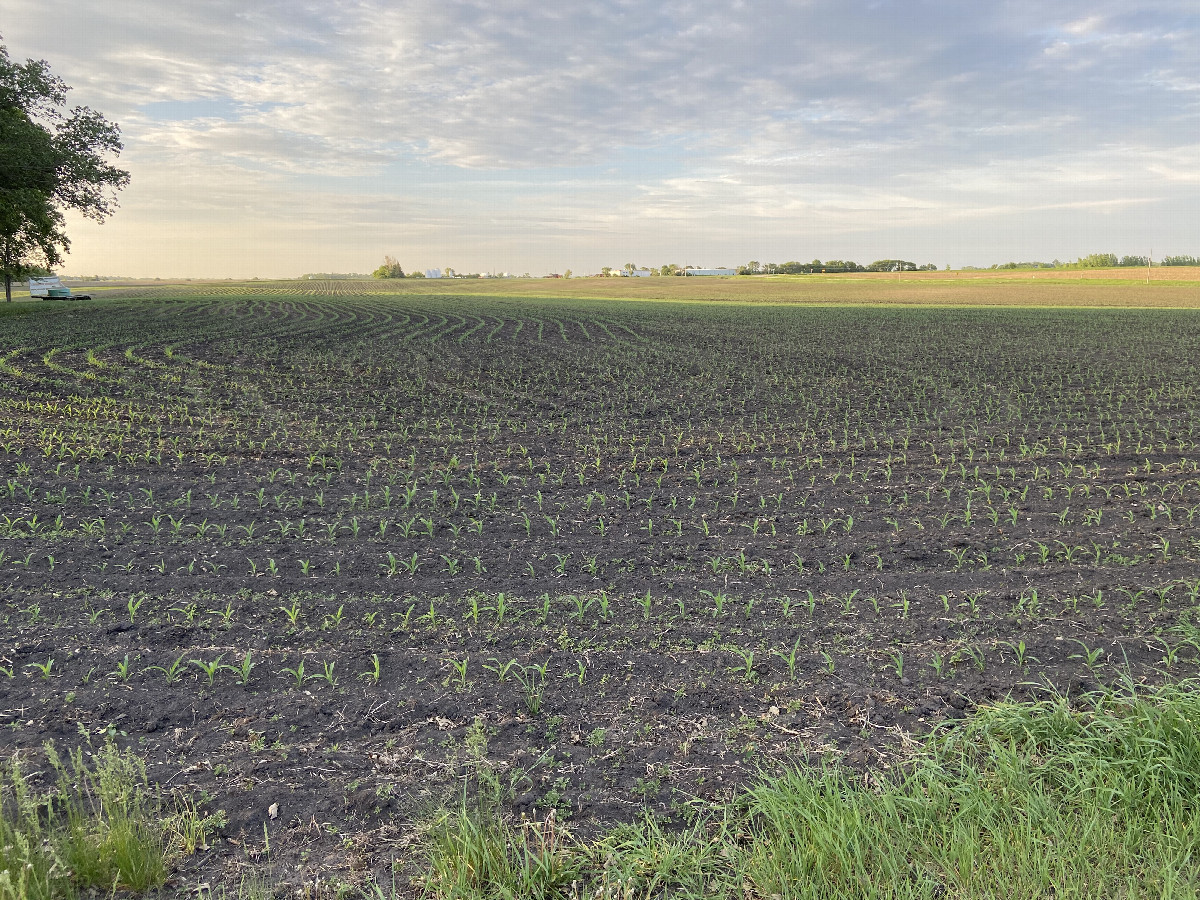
(624, 521)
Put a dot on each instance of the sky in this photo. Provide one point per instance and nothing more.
(272, 138)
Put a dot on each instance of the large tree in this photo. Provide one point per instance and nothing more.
(390, 269)
(51, 160)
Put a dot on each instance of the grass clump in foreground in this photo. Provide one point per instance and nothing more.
(1021, 801)
(102, 827)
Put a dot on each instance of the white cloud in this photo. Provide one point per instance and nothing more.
(526, 126)
(1084, 26)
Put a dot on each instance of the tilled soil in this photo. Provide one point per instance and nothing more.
(612, 560)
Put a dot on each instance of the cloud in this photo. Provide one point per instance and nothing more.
(686, 109)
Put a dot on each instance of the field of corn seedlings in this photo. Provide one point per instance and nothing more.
(315, 552)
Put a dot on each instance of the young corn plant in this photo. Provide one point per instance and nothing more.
(210, 669)
(242, 670)
(173, 672)
(789, 658)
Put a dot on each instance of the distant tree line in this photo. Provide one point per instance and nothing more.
(1100, 261)
(391, 268)
(899, 265)
(1022, 265)
(816, 267)
(1109, 261)
(1091, 261)
(792, 267)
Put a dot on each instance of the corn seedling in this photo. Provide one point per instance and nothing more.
(210, 669)
(242, 670)
(173, 672)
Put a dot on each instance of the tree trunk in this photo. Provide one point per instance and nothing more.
(7, 288)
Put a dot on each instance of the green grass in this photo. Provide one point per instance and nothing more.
(101, 827)
(1025, 801)
(475, 853)
(1021, 801)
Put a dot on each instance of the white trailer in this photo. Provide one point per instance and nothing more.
(52, 288)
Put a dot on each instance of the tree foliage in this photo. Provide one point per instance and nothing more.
(1097, 261)
(51, 160)
(792, 267)
(389, 269)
